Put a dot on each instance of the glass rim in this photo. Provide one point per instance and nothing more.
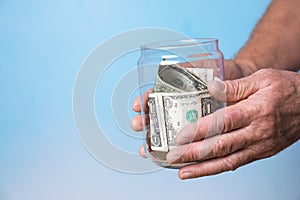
(179, 43)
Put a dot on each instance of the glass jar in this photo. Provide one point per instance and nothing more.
(173, 77)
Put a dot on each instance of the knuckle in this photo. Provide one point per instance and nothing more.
(228, 120)
(269, 77)
(259, 109)
(240, 89)
(266, 73)
(193, 153)
(231, 87)
(230, 165)
(200, 170)
(215, 125)
(219, 148)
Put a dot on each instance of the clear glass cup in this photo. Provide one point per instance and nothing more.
(173, 77)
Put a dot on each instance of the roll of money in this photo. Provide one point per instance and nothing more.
(173, 78)
(180, 97)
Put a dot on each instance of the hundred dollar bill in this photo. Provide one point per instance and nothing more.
(175, 110)
(173, 78)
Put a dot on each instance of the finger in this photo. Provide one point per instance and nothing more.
(240, 89)
(136, 105)
(142, 151)
(233, 90)
(137, 122)
(217, 89)
(205, 127)
(213, 147)
(224, 120)
(217, 165)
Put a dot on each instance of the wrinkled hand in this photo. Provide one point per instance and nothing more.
(231, 71)
(263, 120)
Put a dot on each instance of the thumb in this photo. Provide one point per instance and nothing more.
(233, 90)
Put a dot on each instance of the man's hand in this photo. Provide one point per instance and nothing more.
(264, 118)
(232, 71)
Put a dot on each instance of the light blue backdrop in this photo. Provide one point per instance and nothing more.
(42, 45)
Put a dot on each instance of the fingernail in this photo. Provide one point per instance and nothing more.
(216, 85)
(217, 89)
(186, 175)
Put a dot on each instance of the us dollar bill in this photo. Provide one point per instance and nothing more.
(181, 110)
(157, 124)
(176, 110)
(180, 97)
(173, 78)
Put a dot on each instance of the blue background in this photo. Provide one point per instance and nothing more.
(42, 45)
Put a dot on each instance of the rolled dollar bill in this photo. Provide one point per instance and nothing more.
(173, 78)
